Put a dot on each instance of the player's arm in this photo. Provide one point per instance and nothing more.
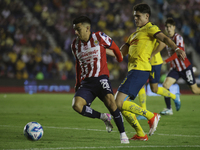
(114, 51)
(162, 37)
(159, 48)
(124, 49)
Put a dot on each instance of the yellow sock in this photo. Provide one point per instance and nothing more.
(136, 109)
(132, 120)
(164, 92)
(142, 98)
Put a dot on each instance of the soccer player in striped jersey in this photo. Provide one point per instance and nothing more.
(139, 47)
(92, 74)
(179, 68)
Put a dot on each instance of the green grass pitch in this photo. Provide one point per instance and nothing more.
(66, 129)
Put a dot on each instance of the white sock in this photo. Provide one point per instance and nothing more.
(103, 116)
(123, 134)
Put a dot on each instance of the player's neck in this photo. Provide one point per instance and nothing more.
(144, 24)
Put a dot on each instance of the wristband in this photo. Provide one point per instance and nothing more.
(176, 49)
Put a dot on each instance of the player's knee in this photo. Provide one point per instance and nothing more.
(109, 101)
(154, 90)
(77, 106)
(119, 104)
(165, 85)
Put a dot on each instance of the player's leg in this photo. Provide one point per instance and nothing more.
(120, 98)
(106, 95)
(83, 99)
(109, 102)
(188, 76)
(130, 117)
(154, 79)
(142, 100)
(142, 97)
(167, 84)
(80, 105)
(129, 89)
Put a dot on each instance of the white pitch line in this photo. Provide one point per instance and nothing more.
(68, 128)
(106, 147)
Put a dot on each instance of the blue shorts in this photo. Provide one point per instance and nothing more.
(155, 74)
(133, 82)
(186, 74)
(93, 87)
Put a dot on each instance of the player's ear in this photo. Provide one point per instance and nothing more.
(87, 28)
(147, 15)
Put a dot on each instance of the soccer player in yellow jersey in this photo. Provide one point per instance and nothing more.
(139, 47)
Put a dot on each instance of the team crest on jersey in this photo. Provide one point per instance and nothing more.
(96, 43)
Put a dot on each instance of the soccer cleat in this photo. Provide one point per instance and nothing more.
(139, 138)
(166, 111)
(141, 117)
(153, 123)
(177, 102)
(107, 118)
(124, 140)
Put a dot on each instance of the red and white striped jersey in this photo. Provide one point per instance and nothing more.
(90, 56)
(175, 62)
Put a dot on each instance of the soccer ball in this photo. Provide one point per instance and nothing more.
(33, 131)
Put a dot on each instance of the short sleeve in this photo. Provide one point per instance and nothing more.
(107, 41)
(153, 30)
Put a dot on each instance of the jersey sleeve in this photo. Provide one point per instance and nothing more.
(153, 30)
(116, 51)
(106, 40)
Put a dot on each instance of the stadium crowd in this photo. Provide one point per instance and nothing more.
(26, 52)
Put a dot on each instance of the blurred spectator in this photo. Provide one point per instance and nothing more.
(24, 41)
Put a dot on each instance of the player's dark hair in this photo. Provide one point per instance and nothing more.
(82, 19)
(170, 21)
(142, 8)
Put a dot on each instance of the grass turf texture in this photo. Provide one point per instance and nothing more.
(66, 129)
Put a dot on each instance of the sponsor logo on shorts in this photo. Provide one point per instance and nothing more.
(105, 85)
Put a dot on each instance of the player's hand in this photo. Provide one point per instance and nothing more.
(181, 54)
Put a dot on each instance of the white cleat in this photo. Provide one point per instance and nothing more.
(107, 120)
(166, 111)
(124, 140)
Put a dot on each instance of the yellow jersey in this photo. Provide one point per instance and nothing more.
(141, 44)
(157, 58)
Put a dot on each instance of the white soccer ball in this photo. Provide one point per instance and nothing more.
(33, 131)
